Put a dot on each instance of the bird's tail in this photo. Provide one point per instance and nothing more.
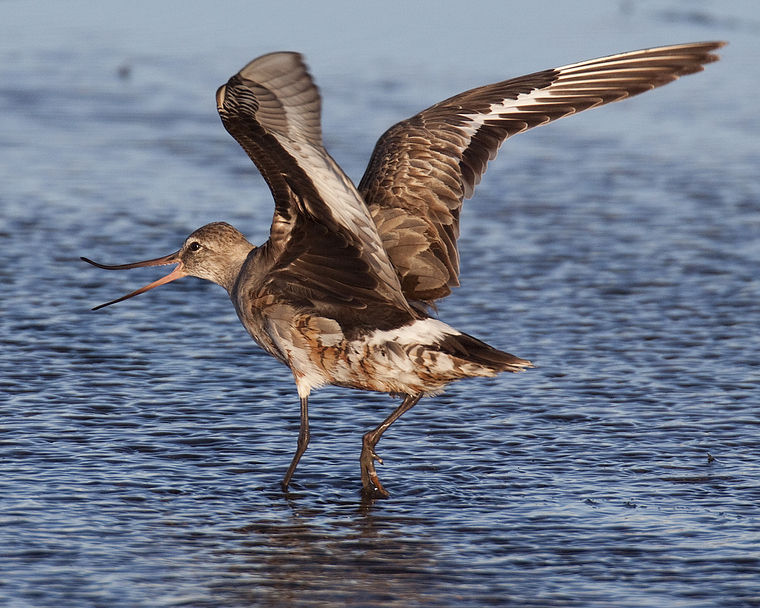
(476, 352)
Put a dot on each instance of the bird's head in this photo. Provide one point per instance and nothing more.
(214, 252)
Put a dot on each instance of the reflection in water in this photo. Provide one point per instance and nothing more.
(312, 558)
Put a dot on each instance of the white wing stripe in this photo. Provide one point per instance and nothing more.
(344, 204)
(579, 81)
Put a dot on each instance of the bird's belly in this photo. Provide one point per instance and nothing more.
(387, 368)
(405, 360)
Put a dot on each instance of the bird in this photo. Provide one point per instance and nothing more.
(344, 290)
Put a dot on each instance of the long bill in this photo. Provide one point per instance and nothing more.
(172, 258)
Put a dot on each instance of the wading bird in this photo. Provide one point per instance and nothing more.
(342, 290)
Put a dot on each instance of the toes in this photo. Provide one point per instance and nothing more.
(375, 490)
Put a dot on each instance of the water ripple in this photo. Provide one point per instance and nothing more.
(141, 447)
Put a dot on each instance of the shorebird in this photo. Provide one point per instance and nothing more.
(344, 289)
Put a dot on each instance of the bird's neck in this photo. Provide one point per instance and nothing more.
(228, 275)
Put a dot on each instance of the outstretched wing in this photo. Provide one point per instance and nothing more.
(422, 168)
(323, 241)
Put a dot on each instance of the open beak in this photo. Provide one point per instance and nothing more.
(172, 258)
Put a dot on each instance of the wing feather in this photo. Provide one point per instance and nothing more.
(424, 167)
(272, 108)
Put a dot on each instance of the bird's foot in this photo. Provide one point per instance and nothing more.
(375, 456)
(371, 486)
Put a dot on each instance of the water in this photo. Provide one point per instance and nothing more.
(141, 447)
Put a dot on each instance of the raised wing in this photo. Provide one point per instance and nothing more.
(323, 241)
(422, 168)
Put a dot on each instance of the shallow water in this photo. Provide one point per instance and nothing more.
(142, 445)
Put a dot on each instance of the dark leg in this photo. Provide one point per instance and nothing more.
(371, 486)
(303, 441)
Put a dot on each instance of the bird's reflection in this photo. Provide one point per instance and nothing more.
(349, 554)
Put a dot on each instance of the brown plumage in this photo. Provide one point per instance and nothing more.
(424, 167)
(340, 291)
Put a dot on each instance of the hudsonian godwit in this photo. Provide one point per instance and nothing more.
(342, 291)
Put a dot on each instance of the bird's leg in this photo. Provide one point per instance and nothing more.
(303, 442)
(371, 486)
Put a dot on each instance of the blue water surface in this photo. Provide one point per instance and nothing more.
(141, 446)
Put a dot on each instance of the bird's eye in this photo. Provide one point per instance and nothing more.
(194, 246)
